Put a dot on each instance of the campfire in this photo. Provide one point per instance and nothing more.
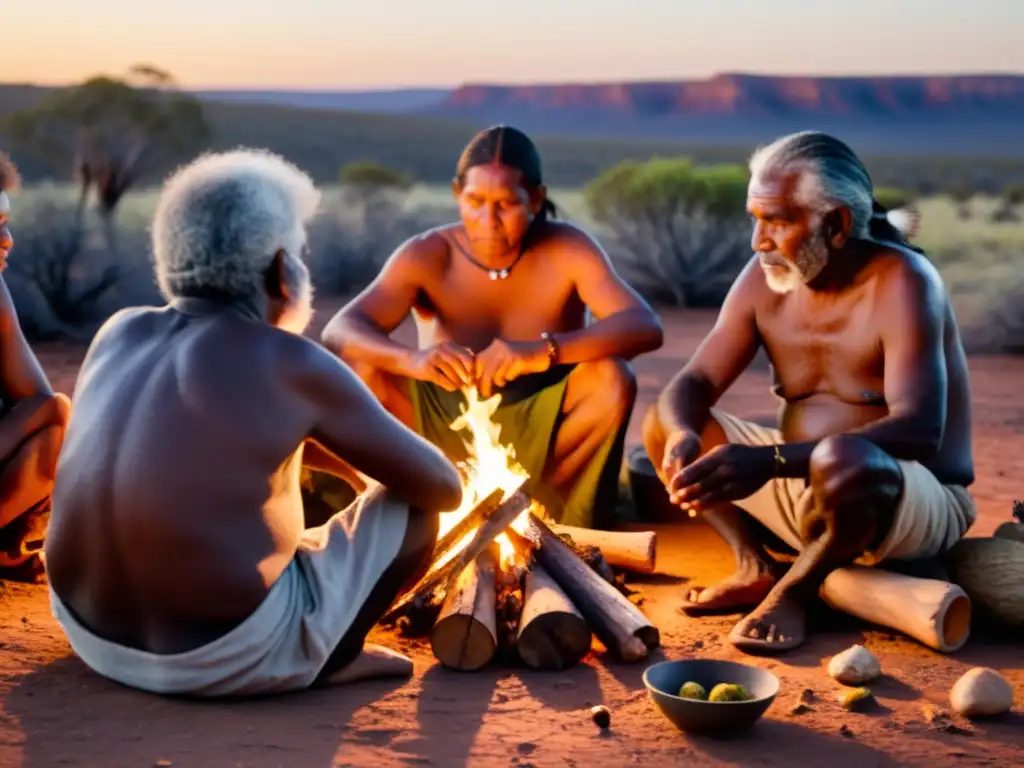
(507, 582)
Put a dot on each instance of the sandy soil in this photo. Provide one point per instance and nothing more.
(54, 712)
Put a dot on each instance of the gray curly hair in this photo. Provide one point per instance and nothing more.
(221, 219)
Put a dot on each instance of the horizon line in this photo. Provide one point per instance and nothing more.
(667, 79)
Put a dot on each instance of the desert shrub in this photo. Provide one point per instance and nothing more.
(962, 194)
(1010, 199)
(373, 193)
(347, 251)
(678, 232)
(366, 174)
(892, 198)
(1002, 329)
(64, 281)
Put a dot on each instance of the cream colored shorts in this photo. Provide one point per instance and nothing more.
(287, 640)
(930, 518)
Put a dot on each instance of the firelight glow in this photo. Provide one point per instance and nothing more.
(490, 466)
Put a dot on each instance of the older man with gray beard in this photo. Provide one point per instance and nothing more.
(872, 458)
(178, 557)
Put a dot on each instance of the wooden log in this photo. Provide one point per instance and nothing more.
(473, 519)
(618, 623)
(935, 613)
(465, 636)
(440, 577)
(630, 551)
(552, 633)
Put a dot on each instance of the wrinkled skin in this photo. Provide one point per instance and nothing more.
(178, 503)
(869, 367)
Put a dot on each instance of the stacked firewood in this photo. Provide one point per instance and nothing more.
(563, 585)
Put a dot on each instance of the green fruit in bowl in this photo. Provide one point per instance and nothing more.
(693, 690)
(729, 692)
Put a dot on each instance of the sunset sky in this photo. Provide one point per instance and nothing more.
(395, 43)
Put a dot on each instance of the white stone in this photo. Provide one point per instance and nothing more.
(854, 666)
(981, 692)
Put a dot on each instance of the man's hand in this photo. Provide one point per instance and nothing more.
(681, 449)
(725, 473)
(448, 365)
(504, 361)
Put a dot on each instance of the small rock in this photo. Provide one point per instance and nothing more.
(939, 720)
(601, 716)
(981, 692)
(803, 702)
(856, 698)
(846, 732)
(854, 666)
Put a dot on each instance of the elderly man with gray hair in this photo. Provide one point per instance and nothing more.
(178, 557)
(872, 458)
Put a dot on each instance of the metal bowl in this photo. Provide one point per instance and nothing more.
(663, 681)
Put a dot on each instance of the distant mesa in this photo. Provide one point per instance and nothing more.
(759, 95)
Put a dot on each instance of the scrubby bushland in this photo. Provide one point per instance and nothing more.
(677, 231)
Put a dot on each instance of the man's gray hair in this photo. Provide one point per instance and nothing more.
(830, 174)
(221, 219)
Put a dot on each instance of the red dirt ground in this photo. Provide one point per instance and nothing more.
(54, 712)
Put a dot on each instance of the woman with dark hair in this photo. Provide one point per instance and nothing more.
(500, 300)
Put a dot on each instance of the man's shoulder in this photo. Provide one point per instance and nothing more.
(127, 319)
(905, 274)
(564, 234)
(424, 251)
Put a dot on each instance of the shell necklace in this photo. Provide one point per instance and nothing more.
(494, 274)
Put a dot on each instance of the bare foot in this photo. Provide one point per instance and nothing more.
(778, 624)
(744, 589)
(374, 662)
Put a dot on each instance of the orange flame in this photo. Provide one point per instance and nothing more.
(489, 466)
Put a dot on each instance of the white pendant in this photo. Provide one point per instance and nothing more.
(496, 275)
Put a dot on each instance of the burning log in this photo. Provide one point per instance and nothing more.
(440, 577)
(465, 636)
(626, 550)
(552, 632)
(476, 516)
(617, 622)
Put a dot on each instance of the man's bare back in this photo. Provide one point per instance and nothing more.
(174, 391)
(178, 516)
